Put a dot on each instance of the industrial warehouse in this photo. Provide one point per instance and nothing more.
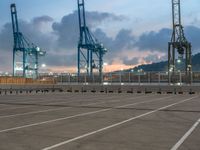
(137, 108)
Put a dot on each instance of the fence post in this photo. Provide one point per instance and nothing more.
(191, 77)
(102, 77)
(111, 77)
(149, 80)
(120, 77)
(180, 77)
(69, 80)
(159, 78)
(129, 77)
(93, 78)
(139, 79)
(85, 78)
(169, 78)
(61, 78)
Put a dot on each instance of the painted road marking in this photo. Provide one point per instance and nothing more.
(65, 118)
(187, 134)
(114, 125)
(55, 109)
(54, 103)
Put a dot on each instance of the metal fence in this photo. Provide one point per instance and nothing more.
(139, 78)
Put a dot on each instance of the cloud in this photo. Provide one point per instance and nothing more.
(39, 31)
(54, 60)
(157, 41)
(42, 19)
(133, 61)
(67, 29)
(123, 40)
(33, 31)
(6, 38)
(154, 41)
(152, 58)
(95, 18)
(193, 36)
(60, 40)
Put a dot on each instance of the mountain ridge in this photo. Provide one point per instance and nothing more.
(163, 65)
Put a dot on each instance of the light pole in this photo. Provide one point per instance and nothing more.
(105, 64)
(121, 75)
(43, 66)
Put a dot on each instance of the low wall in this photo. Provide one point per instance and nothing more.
(147, 89)
(133, 89)
(28, 89)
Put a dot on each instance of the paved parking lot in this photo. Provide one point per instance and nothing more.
(88, 121)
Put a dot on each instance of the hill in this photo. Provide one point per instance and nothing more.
(162, 66)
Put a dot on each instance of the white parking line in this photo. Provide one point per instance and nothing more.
(114, 125)
(55, 109)
(187, 134)
(145, 102)
(50, 121)
(69, 117)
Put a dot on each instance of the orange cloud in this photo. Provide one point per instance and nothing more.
(117, 63)
(62, 69)
(108, 68)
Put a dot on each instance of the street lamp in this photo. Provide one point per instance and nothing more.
(179, 61)
(105, 64)
(43, 65)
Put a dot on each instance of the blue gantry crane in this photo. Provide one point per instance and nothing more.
(90, 50)
(25, 53)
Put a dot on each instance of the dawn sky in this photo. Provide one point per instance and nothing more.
(134, 31)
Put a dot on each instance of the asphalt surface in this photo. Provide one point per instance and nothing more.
(100, 122)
